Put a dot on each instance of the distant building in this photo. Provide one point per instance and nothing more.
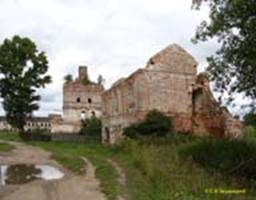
(31, 124)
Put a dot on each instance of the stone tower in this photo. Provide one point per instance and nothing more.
(81, 99)
(82, 73)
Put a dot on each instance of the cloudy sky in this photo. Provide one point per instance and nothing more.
(111, 37)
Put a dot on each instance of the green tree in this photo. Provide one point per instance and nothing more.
(68, 78)
(232, 23)
(250, 119)
(22, 72)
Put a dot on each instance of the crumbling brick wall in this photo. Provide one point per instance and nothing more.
(209, 118)
(169, 83)
(81, 99)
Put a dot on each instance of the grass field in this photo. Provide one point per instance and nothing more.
(155, 168)
(5, 147)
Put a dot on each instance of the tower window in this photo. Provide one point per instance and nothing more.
(151, 62)
(89, 100)
(78, 100)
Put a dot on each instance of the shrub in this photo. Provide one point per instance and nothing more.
(230, 157)
(37, 135)
(250, 131)
(91, 127)
(155, 123)
(250, 119)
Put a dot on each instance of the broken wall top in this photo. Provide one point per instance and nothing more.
(77, 86)
(173, 59)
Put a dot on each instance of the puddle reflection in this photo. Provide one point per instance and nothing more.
(23, 173)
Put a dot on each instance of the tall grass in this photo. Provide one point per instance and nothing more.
(230, 157)
(155, 170)
(5, 147)
(250, 132)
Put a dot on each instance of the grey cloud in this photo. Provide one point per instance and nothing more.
(112, 37)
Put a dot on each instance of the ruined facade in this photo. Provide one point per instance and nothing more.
(170, 84)
(81, 100)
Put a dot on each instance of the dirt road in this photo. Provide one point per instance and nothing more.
(71, 187)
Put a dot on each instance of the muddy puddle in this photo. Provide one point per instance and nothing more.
(24, 173)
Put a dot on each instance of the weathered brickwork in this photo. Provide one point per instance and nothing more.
(208, 117)
(170, 84)
(81, 100)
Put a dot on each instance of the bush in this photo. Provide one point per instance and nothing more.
(155, 123)
(250, 131)
(91, 127)
(37, 135)
(230, 157)
(250, 119)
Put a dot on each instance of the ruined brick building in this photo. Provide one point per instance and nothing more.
(81, 100)
(168, 83)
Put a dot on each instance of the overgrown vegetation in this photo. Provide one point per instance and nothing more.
(156, 171)
(4, 147)
(9, 136)
(163, 168)
(91, 127)
(68, 78)
(230, 157)
(250, 119)
(155, 123)
(250, 132)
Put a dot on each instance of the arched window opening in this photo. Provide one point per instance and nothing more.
(78, 100)
(93, 113)
(82, 115)
(107, 134)
(89, 100)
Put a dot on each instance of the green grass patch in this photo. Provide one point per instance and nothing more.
(230, 157)
(177, 166)
(10, 136)
(5, 147)
(155, 170)
(107, 175)
(250, 132)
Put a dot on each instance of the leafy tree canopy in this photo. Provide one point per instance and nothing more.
(68, 78)
(233, 23)
(22, 71)
(250, 119)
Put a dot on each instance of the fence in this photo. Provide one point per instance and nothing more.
(74, 138)
(62, 137)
